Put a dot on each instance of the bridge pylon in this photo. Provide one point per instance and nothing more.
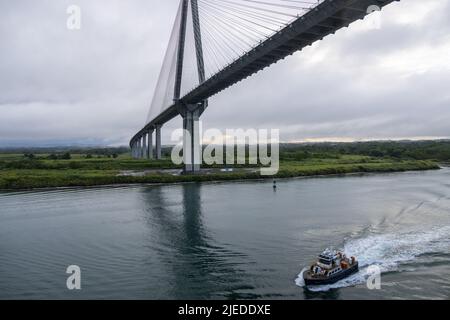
(191, 113)
(192, 149)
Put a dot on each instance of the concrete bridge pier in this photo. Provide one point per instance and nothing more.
(133, 150)
(150, 144)
(144, 146)
(158, 142)
(139, 148)
(192, 149)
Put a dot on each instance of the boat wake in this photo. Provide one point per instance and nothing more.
(388, 252)
(300, 281)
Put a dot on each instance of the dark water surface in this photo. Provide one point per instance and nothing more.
(228, 240)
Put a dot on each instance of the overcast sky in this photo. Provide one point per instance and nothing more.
(95, 85)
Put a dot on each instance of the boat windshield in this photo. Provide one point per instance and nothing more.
(325, 261)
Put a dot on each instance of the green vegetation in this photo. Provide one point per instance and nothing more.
(41, 168)
(436, 150)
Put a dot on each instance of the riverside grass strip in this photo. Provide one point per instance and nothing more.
(19, 174)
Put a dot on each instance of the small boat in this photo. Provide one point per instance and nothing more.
(330, 267)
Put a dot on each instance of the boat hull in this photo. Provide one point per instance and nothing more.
(314, 281)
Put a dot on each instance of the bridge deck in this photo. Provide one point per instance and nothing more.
(325, 19)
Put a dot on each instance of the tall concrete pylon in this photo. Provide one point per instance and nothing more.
(191, 113)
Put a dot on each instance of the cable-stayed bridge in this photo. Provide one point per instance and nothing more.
(217, 43)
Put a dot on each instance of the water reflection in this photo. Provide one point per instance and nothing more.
(196, 261)
(333, 294)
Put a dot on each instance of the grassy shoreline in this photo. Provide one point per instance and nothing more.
(17, 174)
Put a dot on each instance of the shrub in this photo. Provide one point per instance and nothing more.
(66, 156)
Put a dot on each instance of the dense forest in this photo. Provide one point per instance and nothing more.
(61, 152)
(438, 150)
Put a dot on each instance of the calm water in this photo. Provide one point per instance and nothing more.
(228, 240)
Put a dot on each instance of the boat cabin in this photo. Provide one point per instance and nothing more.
(328, 259)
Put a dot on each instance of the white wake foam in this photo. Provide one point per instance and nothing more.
(300, 281)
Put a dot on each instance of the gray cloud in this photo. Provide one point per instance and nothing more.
(95, 85)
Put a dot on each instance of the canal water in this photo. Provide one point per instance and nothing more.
(240, 240)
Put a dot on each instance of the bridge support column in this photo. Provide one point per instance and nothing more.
(142, 151)
(191, 141)
(138, 149)
(135, 149)
(158, 142)
(144, 146)
(150, 144)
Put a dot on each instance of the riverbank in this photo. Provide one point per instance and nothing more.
(19, 174)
